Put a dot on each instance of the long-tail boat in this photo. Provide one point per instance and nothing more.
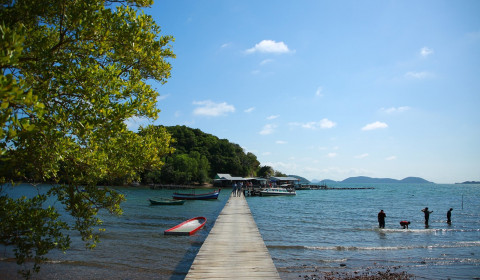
(191, 196)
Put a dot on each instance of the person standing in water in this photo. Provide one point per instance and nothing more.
(381, 219)
(449, 216)
(427, 215)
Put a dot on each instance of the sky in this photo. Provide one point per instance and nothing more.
(330, 89)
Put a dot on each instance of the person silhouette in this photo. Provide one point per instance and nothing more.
(381, 219)
(449, 216)
(427, 215)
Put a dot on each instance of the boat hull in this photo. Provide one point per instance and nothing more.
(188, 227)
(166, 202)
(277, 192)
(186, 196)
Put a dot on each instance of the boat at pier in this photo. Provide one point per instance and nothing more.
(277, 192)
(192, 196)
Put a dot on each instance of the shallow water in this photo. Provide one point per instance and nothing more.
(317, 230)
(133, 245)
(337, 230)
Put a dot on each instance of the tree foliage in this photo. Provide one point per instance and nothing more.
(266, 171)
(199, 156)
(71, 74)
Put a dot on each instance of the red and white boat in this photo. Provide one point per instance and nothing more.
(188, 227)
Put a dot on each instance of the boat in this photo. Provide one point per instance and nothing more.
(277, 192)
(166, 201)
(188, 227)
(190, 196)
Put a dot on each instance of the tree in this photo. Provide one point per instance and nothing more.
(211, 154)
(71, 74)
(279, 174)
(265, 171)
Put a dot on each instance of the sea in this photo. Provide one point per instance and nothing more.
(314, 232)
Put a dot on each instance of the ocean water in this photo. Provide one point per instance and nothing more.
(337, 230)
(317, 230)
(133, 245)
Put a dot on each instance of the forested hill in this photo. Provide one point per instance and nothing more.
(199, 156)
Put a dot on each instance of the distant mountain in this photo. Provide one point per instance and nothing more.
(302, 180)
(369, 180)
(325, 181)
(414, 180)
(470, 182)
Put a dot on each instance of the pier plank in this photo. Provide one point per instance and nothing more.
(234, 248)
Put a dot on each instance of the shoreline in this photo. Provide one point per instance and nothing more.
(375, 273)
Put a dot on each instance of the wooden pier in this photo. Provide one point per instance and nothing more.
(234, 248)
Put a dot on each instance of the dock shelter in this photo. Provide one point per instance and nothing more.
(284, 181)
(226, 180)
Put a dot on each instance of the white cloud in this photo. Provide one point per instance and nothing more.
(391, 158)
(249, 110)
(362, 156)
(394, 110)
(269, 46)
(266, 61)
(375, 125)
(272, 117)
(268, 129)
(324, 124)
(319, 91)
(331, 155)
(225, 45)
(418, 75)
(212, 109)
(424, 52)
(162, 97)
(281, 142)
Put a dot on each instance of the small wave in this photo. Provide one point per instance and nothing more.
(378, 248)
(426, 230)
(286, 247)
(446, 261)
(354, 248)
(460, 244)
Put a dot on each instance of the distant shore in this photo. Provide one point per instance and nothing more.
(178, 186)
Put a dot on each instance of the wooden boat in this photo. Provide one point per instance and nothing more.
(188, 227)
(190, 196)
(166, 201)
(277, 192)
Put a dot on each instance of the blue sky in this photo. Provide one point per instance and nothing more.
(330, 89)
